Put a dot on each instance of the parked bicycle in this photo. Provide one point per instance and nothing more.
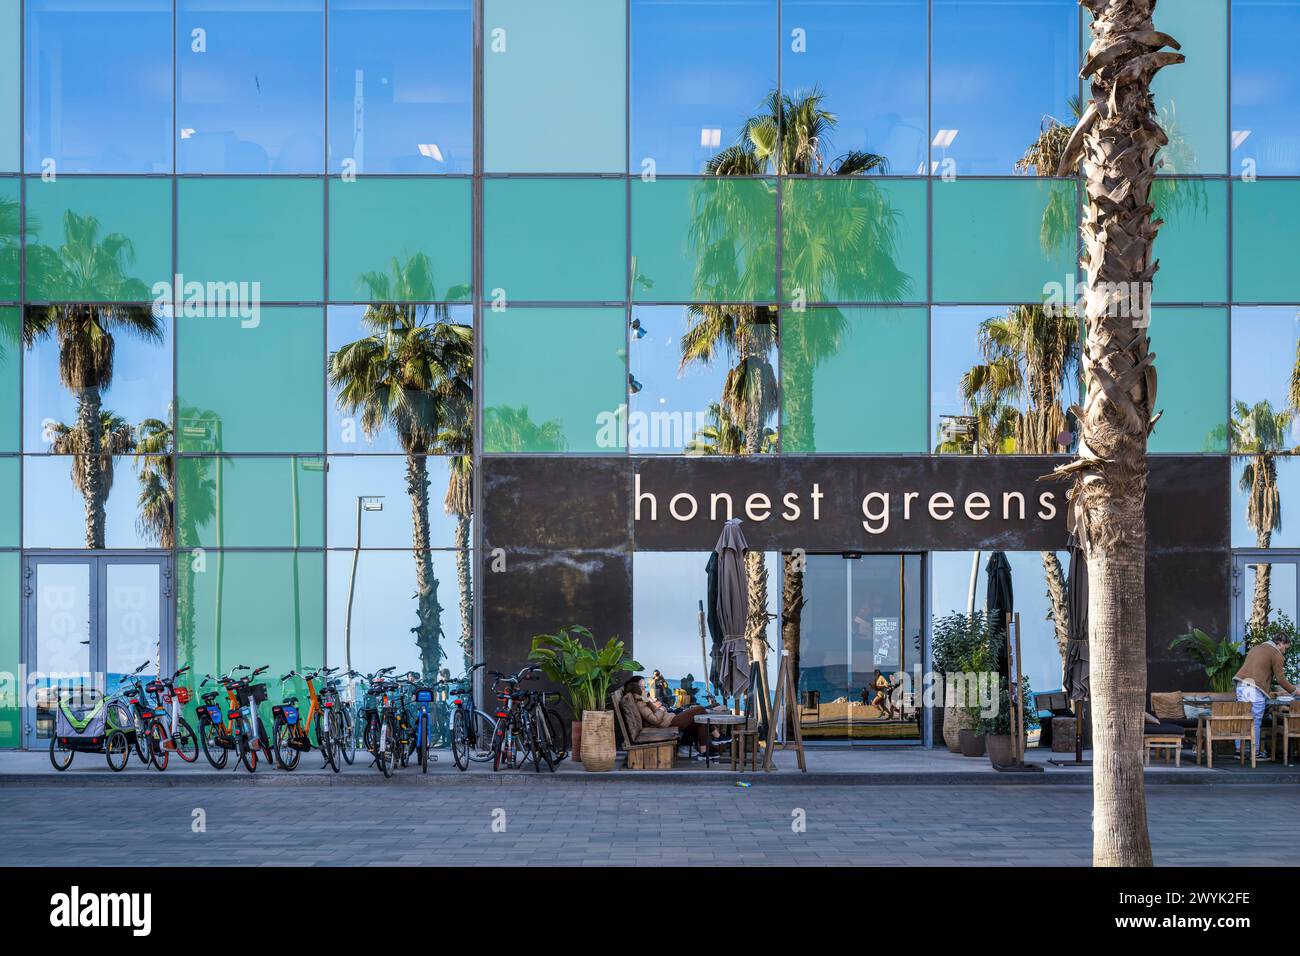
(166, 731)
(524, 727)
(292, 730)
(248, 728)
(216, 732)
(471, 729)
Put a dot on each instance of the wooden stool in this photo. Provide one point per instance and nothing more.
(744, 740)
(1165, 744)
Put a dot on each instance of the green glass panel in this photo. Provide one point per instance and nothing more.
(10, 239)
(258, 388)
(853, 239)
(1192, 97)
(704, 240)
(10, 87)
(1192, 245)
(228, 502)
(1265, 234)
(10, 470)
(253, 608)
(555, 240)
(10, 377)
(537, 56)
(1191, 346)
(268, 231)
(854, 380)
(554, 380)
(1003, 240)
(121, 225)
(10, 696)
(404, 240)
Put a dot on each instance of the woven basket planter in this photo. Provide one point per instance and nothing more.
(598, 740)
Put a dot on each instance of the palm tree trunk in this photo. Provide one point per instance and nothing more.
(1262, 600)
(1058, 595)
(465, 586)
(428, 628)
(89, 403)
(1118, 139)
(792, 602)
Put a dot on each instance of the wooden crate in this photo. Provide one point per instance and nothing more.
(660, 756)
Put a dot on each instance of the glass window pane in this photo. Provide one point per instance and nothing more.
(853, 239)
(840, 362)
(1027, 227)
(267, 231)
(385, 627)
(1192, 97)
(135, 397)
(704, 240)
(555, 240)
(88, 120)
(10, 86)
(399, 240)
(58, 504)
(699, 71)
(10, 239)
(10, 715)
(1265, 88)
(401, 86)
(254, 608)
(235, 391)
(10, 376)
(225, 502)
(979, 356)
(1192, 245)
(376, 489)
(1265, 230)
(1193, 393)
(536, 56)
(869, 60)
(999, 75)
(1250, 478)
(528, 354)
(370, 354)
(1264, 349)
(677, 404)
(9, 483)
(121, 226)
(250, 76)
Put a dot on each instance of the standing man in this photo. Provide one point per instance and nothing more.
(1264, 666)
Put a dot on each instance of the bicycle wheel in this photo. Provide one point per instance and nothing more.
(484, 730)
(459, 740)
(325, 741)
(217, 755)
(187, 743)
(156, 737)
(286, 756)
(347, 735)
(500, 742)
(117, 751)
(544, 748)
(386, 746)
(247, 755)
(138, 737)
(60, 755)
(556, 729)
(422, 742)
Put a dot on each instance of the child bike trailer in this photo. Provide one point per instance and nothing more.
(87, 730)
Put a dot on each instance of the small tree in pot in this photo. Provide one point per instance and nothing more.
(959, 644)
(585, 672)
(997, 728)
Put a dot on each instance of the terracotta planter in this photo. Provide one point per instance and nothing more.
(972, 743)
(575, 734)
(951, 728)
(597, 740)
(999, 748)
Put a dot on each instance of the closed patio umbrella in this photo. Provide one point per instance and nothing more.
(1076, 678)
(999, 602)
(733, 607)
(711, 616)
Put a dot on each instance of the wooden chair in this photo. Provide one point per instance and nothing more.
(654, 754)
(1286, 727)
(1229, 720)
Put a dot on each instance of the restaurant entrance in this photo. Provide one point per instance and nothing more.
(860, 631)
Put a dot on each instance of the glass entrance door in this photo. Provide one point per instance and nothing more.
(90, 619)
(860, 647)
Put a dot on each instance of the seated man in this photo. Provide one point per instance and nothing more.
(641, 710)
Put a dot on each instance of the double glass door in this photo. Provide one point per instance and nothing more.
(90, 620)
(860, 643)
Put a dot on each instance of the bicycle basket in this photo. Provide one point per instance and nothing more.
(183, 695)
(87, 724)
(251, 693)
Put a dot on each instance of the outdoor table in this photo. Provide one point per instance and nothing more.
(1282, 702)
(718, 720)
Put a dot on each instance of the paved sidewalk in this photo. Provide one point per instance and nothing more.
(572, 824)
(834, 765)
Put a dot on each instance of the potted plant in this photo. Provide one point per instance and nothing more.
(997, 727)
(585, 673)
(1221, 657)
(960, 644)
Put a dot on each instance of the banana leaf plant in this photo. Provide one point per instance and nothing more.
(585, 672)
(1221, 657)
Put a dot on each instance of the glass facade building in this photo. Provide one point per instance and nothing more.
(352, 331)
